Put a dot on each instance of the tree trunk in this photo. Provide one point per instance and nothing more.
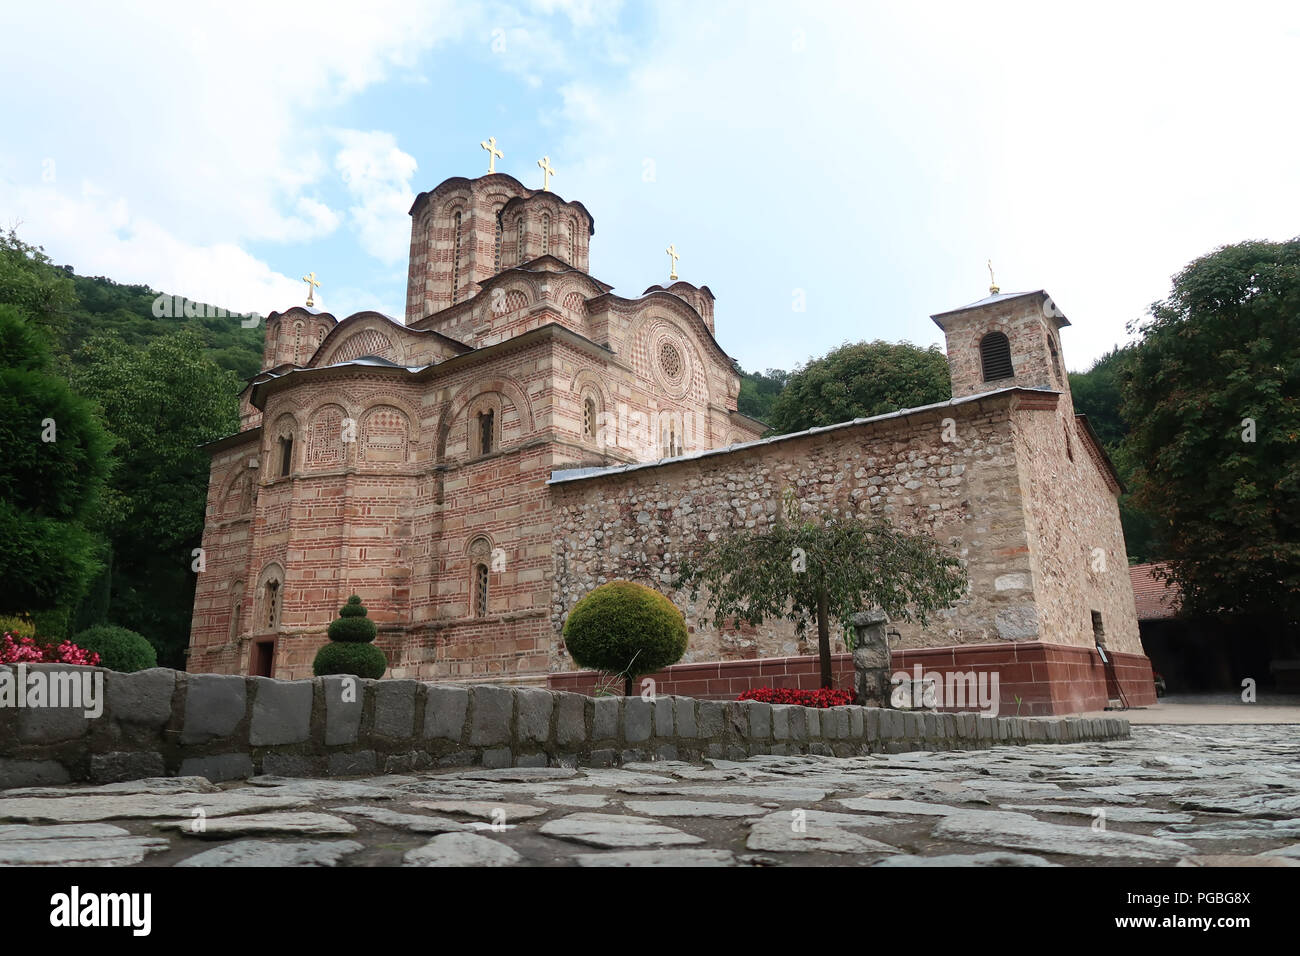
(824, 637)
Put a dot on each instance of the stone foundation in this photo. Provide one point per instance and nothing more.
(224, 727)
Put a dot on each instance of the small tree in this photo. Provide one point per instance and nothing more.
(625, 628)
(349, 650)
(823, 569)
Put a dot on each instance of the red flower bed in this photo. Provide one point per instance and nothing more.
(26, 650)
(822, 697)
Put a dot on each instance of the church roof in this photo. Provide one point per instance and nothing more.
(576, 474)
(997, 297)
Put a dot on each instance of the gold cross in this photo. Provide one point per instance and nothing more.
(547, 173)
(993, 285)
(672, 252)
(310, 279)
(493, 153)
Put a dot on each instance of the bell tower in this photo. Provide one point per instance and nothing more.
(1003, 340)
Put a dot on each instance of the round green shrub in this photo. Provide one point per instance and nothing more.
(625, 628)
(119, 648)
(344, 657)
(352, 625)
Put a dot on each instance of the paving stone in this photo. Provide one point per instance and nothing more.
(669, 857)
(281, 712)
(414, 822)
(462, 849)
(215, 828)
(214, 706)
(1116, 814)
(813, 831)
(692, 808)
(521, 774)
(613, 830)
(1216, 860)
(966, 859)
(87, 844)
(266, 853)
(585, 801)
(74, 809)
(1017, 831)
(753, 791)
(146, 785)
(445, 709)
(321, 789)
(907, 807)
(483, 809)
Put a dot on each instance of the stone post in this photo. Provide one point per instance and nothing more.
(871, 660)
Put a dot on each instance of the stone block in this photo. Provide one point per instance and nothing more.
(343, 701)
(491, 712)
(713, 719)
(117, 766)
(143, 698)
(352, 764)
(535, 709)
(570, 720)
(445, 707)
(684, 717)
(664, 726)
(637, 717)
(871, 722)
(892, 724)
(291, 765)
(798, 720)
(219, 767)
(781, 721)
(393, 716)
(531, 760)
(281, 711)
(31, 773)
(813, 717)
(605, 719)
(214, 707)
(760, 720)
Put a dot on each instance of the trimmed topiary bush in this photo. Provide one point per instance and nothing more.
(627, 629)
(352, 625)
(349, 650)
(119, 648)
(350, 657)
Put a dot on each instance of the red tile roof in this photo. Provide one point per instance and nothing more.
(1156, 598)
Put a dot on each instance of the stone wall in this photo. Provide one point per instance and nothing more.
(639, 523)
(160, 722)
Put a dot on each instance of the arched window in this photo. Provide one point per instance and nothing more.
(480, 556)
(236, 604)
(496, 249)
(480, 590)
(995, 356)
(455, 257)
(546, 234)
(589, 418)
(286, 455)
(486, 425)
(271, 604)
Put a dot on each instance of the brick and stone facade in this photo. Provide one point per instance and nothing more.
(527, 434)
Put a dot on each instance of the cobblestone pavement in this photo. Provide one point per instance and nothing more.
(1187, 795)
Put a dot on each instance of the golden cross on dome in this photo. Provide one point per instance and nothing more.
(493, 153)
(672, 254)
(312, 284)
(993, 285)
(547, 173)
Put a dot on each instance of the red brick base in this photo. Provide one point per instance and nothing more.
(1047, 678)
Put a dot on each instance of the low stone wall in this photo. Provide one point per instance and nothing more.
(161, 722)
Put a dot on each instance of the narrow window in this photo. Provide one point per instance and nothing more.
(519, 242)
(455, 257)
(496, 251)
(480, 590)
(546, 235)
(571, 231)
(995, 356)
(1098, 630)
(272, 604)
(485, 422)
(1056, 359)
(286, 455)
(236, 603)
(589, 418)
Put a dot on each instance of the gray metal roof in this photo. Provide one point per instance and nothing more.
(577, 474)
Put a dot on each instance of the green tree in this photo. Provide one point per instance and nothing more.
(40, 291)
(822, 568)
(1212, 396)
(52, 476)
(758, 390)
(859, 380)
(161, 402)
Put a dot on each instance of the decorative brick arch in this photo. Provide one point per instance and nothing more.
(325, 447)
(469, 393)
(384, 434)
(237, 495)
(365, 342)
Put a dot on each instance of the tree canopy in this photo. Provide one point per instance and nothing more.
(859, 380)
(822, 567)
(1212, 397)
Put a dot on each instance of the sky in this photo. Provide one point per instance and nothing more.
(833, 173)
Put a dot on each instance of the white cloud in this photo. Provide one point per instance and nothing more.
(378, 176)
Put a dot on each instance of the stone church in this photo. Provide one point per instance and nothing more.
(526, 434)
